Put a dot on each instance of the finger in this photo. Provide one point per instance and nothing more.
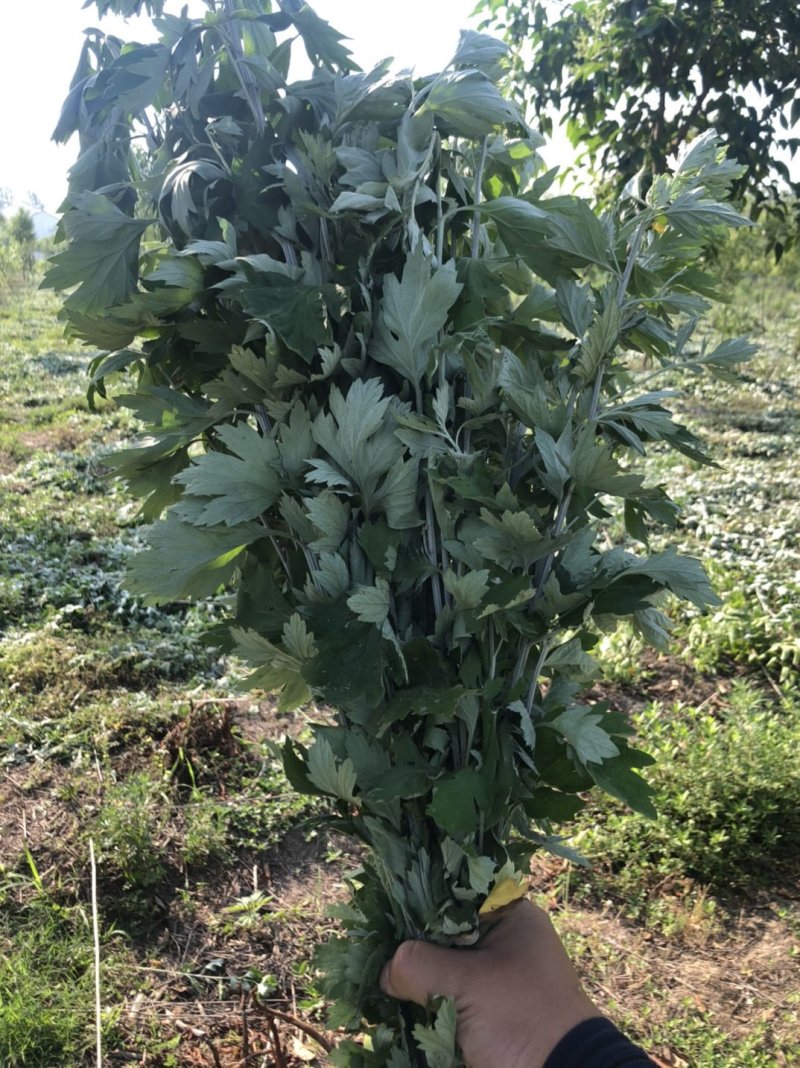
(420, 971)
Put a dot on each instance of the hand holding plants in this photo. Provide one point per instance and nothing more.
(516, 993)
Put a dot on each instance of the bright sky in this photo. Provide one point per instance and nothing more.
(43, 41)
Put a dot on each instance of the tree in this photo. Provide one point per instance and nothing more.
(634, 79)
(391, 390)
(22, 228)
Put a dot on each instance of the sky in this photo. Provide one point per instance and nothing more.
(34, 80)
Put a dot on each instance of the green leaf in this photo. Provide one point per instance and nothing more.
(345, 433)
(183, 560)
(438, 1043)
(295, 311)
(397, 496)
(371, 603)
(457, 801)
(102, 257)
(574, 228)
(412, 313)
(337, 778)
(322, 42)
(132, 81)
(467, 590)
(466, 103)
(617, 778)
(420, 702)
(556, 457)
(349, 669)
(682, 575)
(601, 340)
(479, 50)
(580, 727)
(513, 540)
(547, 804)
(297, 639)
(239, 487)
(693, 213)
(278, 669)
(576, 304)
(331, 516)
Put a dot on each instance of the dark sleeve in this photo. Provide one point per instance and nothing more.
(597, 1043)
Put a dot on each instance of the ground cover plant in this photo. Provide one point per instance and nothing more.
(699, 974)
(395, 396)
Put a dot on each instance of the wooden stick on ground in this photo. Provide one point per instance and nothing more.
(96, 938)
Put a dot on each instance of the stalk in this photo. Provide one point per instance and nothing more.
(566, 500)
(243, 73)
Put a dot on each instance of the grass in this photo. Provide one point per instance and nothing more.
(117, 723)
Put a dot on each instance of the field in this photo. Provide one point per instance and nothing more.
(120, 727)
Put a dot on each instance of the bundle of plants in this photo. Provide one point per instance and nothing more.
(396, 393)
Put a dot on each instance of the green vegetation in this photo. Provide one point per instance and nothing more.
(631, 81)
(118, 723)
(728, 787)
(398, 400)
(665, 921)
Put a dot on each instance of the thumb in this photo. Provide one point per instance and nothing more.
(420, 971)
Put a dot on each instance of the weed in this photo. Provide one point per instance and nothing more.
(133, 814)
(205, 833)
(728, 800)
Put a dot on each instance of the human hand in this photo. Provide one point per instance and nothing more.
(515, 991)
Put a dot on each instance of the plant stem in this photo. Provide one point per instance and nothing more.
(430, 539)
(545, 649)
(243, 73)
(439, 213)
(476, 199)
(566, 500)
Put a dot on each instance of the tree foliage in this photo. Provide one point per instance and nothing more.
(393, 395)
(634, 79)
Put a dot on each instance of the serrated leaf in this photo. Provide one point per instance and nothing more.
(575, 229)
(511, 540)
(277, 670)
(396, 496)
(576, 304)
(480, 50)
(457, 802)
(371, 603)
(240, 486)
(183, 560)
(467, 103)
(295, 441)
(295, 311)
(297, 639)
(556, 457)
(600, 340)
(331, 516)
(682, 575)
(438, 1043)
(322, 42)
(354, 201)
(467, 590)
(412, 313)
(102, 257)
(337, 778)
(580, 727)
(357, 437)
(617, 778)
(349, 670)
